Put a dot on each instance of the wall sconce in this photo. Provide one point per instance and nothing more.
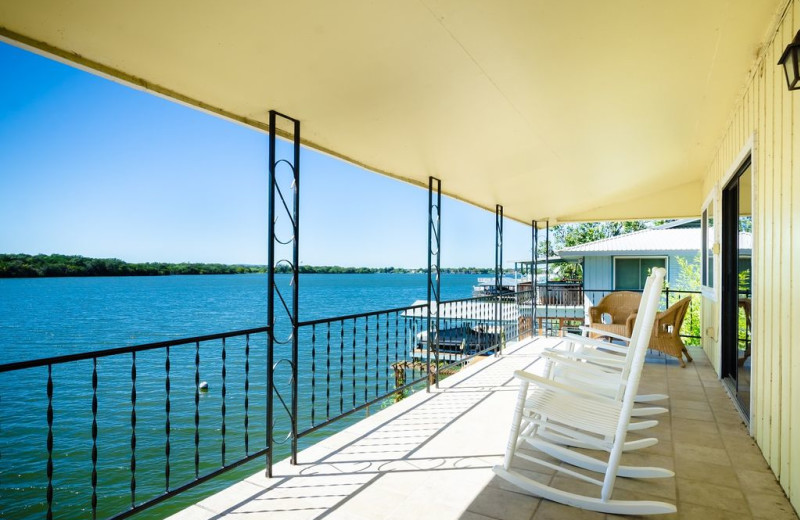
(790, 59)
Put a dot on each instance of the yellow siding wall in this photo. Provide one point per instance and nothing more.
(770, 114)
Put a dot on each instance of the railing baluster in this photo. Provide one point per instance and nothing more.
(386, 363)
(313, 371)
(224, 391)
(377, 354)
(328, 373)
(354, 361)
(94, 438)
(197, 409)
(396, 335)
(49, 442)
(366, 359)
(167, 426)
(133, 429)
(247, 395)
(341, 368)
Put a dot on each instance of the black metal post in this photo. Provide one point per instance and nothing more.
(534, 257)
(434, 278)
(547, 324)
(498, 272)
(293, 215)
(295, 283)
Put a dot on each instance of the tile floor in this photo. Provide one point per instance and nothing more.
(430, 457)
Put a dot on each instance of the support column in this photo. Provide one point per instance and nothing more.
(498, 274)
(434, 278)
(548, 328)
(534, 258)
(288, 209)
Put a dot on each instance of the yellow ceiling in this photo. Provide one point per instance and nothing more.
(561, 109)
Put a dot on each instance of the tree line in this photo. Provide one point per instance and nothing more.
(38, 266)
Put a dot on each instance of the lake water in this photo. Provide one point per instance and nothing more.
(47, 317)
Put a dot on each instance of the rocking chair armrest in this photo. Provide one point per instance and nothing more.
(583, 340)
(555, 386)
(576, 360)
(598, 358)
(592, 330)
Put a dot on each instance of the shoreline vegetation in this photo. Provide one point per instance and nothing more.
(52, 266)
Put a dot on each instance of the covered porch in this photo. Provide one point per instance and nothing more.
(503, 108)
(431, 456)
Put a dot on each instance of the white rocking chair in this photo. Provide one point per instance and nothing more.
(604, 373)
(582, 414)
(597, 363)
(604, 362)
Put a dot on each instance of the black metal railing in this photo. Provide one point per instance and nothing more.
(158, 429)
(352, 363)
(161, 418)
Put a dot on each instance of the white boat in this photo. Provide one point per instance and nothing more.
(486, 286)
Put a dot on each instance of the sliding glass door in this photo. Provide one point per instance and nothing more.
(737, 289)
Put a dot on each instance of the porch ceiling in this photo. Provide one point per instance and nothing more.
(569, 110)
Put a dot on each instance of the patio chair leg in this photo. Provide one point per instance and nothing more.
(686, 353)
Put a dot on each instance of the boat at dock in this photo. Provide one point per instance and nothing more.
(466, 339)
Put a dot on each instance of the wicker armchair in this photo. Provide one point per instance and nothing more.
(621, 306)
(666, 331)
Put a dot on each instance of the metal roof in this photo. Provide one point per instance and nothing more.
(649, 242)
(514, 102)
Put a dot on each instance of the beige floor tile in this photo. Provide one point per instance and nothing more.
(504, 505)
(684, 437)
(672, 516)
(702, 454)
(469, 515)
(706, 472)
(682, 404)
(677, 391)
(663, 488)
(710, 495)
(688, 511)
(770, 506)
(754, 481)
(554, 511)
(694, 414)
(750, 459)
(736, 437)
(693, 426)
(728, 417)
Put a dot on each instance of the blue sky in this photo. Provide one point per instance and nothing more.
(95, 168)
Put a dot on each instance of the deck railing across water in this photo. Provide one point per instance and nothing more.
(124, 429)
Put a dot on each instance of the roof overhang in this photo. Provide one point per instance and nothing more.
(570, 111)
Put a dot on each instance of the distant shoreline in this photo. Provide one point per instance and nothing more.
(62, 266)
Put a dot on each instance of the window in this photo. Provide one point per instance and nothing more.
(707, 248)
(631, 273)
